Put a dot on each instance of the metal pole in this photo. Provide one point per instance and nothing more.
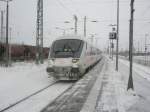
(145, 49)
(10, 46)
(76, 19)
(39, 32)
(112, 49)
(7, 26)
(130, 81)
(117, 46)
(138, 48)
(2, 20)
(85, 26)
(64, 32)
(41, 50)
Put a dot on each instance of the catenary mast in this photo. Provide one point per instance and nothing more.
(39, 32)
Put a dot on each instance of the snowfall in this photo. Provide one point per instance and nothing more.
(24, 78)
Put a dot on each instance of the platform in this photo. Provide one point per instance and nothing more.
(101, 90)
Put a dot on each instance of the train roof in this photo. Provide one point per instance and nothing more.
(74, 37)
(70, 37)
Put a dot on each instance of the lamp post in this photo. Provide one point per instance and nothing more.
(75, 24)
(9, 50)
(146, 49)
(92, 38)
(64, 30)
(2, 22)
(7, 32)
(117, 39)
(66, 21)
(85, 25)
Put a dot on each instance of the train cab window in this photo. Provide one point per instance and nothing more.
(66, 48)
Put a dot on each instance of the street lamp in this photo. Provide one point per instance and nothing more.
(117, 41)
(64, 30)
(94, 21)
(146, 35)
(92, 38)
(85, 26)
(66, 21)
(7, 26)
(113, 26)
(2, 27)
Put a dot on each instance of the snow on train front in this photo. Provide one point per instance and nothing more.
(64, 59)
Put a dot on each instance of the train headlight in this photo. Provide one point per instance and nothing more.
(75, 60)
(51, 62)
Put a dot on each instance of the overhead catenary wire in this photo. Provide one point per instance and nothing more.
(71, 1)
(66, 8)
(110, 2)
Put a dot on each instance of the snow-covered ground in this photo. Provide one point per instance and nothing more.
(145, 60)
(141, 57)
(23, 79)
(141, 76)
(114, 96)
(143, 71)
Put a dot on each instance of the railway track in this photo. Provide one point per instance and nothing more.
(27, 97)
(73, 99)
(46, 88)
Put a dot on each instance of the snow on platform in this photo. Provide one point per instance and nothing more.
(21, 80)
(141, 84)
(109, 94)
(144, 71)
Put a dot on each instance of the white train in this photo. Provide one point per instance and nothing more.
(70, 57)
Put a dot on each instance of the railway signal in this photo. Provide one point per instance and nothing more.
(112, 36)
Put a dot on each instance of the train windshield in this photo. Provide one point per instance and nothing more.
(66, 48)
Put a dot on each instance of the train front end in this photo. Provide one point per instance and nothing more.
(64, 59)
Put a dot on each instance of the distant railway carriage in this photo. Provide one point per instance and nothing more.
(21, 52)
(70, 57)
(2, 50)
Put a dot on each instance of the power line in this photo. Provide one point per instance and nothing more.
(75, 9)
(61, 4)
(108, 1)
(145, 11)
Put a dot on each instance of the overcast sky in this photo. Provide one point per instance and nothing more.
(23, 19)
